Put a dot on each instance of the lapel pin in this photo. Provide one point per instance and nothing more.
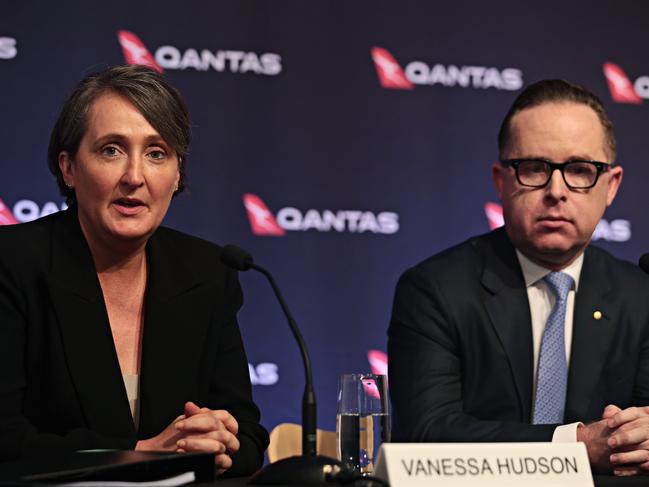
(597, 315)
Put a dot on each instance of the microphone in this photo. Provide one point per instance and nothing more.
(644, 263)
(236, 258)
(308, 468)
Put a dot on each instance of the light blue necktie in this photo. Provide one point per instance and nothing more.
(552, 376)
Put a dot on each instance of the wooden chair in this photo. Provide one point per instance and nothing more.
(286, 441)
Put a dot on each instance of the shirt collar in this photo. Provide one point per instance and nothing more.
(532, 273)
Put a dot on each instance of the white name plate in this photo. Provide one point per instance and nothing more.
(484, 464)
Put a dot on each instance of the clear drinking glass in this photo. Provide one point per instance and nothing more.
(363, 420)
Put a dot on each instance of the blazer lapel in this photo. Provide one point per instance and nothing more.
(177, 316)
(591, 338)
(508, 308)
(85, 331)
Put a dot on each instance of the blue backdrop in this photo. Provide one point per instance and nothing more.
(361, 132)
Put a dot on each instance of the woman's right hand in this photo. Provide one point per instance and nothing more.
(165, 441)
(200, 429)
(209, 430)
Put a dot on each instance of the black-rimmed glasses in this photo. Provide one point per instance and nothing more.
(536, 173)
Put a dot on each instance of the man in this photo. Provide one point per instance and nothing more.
(527, 333)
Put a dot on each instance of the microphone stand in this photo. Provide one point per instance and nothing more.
(308, 398)
(308, 468)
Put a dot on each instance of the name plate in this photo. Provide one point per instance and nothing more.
(484, 464)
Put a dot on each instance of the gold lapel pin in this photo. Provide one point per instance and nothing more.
(597, 315)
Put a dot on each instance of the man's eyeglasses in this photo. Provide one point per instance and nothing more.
(536, 173)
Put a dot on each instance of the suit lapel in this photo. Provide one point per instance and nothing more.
(508, 308)
(591, 338)
(177, 314)
(85, 331)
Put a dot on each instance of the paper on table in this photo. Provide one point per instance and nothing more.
(182, 479)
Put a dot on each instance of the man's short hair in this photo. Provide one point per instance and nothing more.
(158, 102)
(557, 91)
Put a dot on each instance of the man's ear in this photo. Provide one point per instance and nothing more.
(497, 175)
(614, 180)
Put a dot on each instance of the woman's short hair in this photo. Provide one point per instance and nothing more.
(158, 102)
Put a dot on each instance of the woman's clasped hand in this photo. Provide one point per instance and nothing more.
(199, 430)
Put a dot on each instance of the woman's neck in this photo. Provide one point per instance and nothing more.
(113, 255)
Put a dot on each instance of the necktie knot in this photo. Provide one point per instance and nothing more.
(560, 284)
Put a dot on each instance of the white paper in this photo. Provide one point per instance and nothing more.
(182, 479)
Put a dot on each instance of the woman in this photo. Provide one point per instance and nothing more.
(116, 332)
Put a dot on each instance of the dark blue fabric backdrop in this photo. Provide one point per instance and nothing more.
(363, 180)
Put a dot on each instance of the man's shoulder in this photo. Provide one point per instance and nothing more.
(464, 258)
(618, 271)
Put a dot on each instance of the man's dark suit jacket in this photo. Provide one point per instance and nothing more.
(460, 345)
(61, 386)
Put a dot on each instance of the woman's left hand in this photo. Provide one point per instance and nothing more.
(210, 430)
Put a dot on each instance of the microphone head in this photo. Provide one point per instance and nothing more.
(236, 258)
(644, 263)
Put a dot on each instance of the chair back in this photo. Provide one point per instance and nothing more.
(286, 441)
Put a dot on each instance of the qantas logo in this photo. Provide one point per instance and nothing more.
(6, 217)
(370, 387)
(264, 223)
(494, 214)
(27, 210)
(263, 374)
(170, 57)
(388, 70)
(621, 88)
(378, 362)
(379, 365)
(8, 48)
(392, 76)
(135, 52)
(611, 231)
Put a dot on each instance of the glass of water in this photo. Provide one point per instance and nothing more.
(363, 420)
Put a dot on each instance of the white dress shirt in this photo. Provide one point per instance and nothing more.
(541, 300)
